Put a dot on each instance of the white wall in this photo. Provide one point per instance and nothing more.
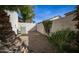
(24, 28)
(14, 20)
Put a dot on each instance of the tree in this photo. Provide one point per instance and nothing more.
(77, 25)
(9, 42)
(27, 10)
(77, 19)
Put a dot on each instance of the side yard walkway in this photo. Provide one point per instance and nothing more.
(24, 39)
(38, 43)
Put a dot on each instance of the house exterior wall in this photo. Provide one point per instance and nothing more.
(59, 24)
(16, 25)
(13, 16)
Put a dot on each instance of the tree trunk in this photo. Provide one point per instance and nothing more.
(9, 42)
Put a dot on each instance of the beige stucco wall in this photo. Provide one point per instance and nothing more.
(59, 24)
(40, 28)
(63, 23)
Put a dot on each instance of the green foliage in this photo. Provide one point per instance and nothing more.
(61, 39)
(47, 25)
(26, 10)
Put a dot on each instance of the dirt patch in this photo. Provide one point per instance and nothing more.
(38, 43)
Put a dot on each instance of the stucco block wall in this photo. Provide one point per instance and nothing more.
(64, 23)
(40, 28)
(59, 24)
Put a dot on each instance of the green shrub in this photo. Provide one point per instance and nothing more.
(62, 39)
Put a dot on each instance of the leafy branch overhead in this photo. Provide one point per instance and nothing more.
(26, 10)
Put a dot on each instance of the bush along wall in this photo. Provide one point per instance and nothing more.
(64, 41)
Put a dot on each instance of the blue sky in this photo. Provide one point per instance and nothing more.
(43, 12)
